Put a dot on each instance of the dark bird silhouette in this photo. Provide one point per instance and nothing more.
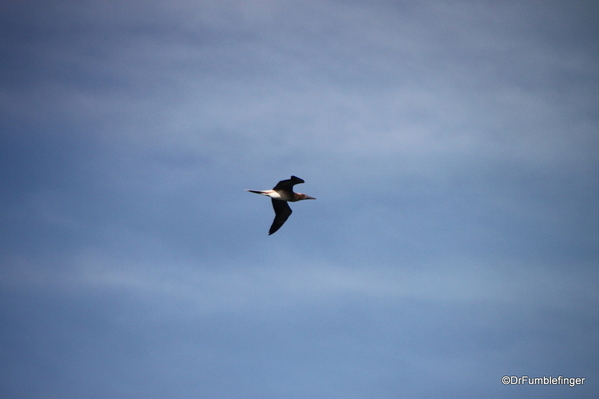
(280, 195)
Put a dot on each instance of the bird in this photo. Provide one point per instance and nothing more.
(280, 195)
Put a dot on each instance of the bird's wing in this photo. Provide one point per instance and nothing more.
(288, 184)
(282, 213)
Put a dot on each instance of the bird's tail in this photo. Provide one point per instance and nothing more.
(256, 191)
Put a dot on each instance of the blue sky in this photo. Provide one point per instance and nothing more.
(453, 148)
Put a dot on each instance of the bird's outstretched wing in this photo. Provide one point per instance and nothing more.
(288, 184)
(282, 213)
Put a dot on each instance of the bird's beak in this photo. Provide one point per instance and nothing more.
(308, 197)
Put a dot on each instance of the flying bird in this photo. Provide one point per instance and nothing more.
(280, 195)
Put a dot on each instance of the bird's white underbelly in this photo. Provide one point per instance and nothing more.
(273, 194)
(277, 195)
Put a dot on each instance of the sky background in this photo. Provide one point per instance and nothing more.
(452, 146)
